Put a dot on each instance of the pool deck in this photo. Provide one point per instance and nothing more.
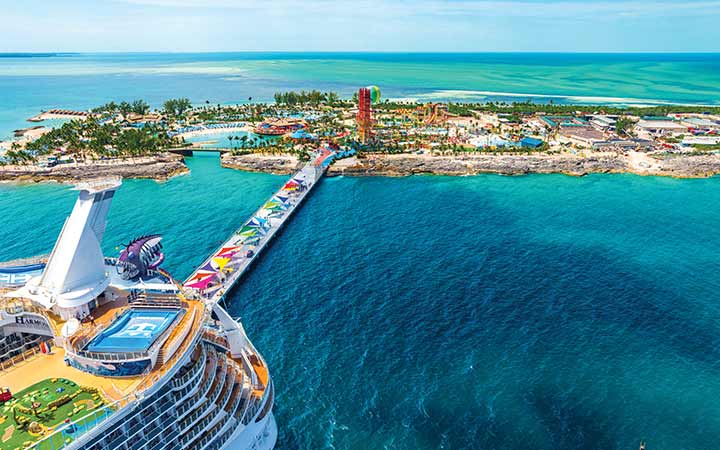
(41, 367)
(102, 342)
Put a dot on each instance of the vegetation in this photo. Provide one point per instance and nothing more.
(313, 98)
(623, 125)
(34, 412)
(177, 107)
(707, 147)
(89, 139)
(124, 108)
(399, 128)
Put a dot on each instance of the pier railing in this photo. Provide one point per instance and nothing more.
(311, 173)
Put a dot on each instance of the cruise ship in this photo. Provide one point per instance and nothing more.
(106, 353)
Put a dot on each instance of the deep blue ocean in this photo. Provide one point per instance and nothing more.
(538, 312)
(487, 312)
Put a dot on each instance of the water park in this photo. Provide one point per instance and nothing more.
(492, 137)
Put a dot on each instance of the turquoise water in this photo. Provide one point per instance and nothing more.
(29, 84)
(535, 312)
(222, 140)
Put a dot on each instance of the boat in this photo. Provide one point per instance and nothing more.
(111, 352)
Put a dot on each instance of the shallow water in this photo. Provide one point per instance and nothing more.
(82, 81)
(543, 312)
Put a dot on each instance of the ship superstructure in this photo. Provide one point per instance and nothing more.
(113, 353)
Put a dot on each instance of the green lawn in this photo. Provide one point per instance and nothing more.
(55, 401)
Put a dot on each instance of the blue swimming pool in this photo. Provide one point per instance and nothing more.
(134, 331)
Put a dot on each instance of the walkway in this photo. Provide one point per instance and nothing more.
(220, 272)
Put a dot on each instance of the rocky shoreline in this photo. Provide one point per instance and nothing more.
(685, 166)
(275, 164)
(158, 167)
(677, 166)
(164, 166)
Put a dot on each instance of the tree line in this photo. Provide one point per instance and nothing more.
(90, 139)
(172, 107)
(313, 97)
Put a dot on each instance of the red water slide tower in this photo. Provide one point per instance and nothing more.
(364, 115)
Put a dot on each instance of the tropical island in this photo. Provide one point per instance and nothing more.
(379, 137)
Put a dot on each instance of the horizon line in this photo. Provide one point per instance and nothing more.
(389, 52)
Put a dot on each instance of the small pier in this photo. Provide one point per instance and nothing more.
(220, 272)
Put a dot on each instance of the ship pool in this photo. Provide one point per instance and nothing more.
(134, 331)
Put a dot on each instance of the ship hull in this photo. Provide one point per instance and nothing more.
(263, 435)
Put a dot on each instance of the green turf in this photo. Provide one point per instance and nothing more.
(43, 393)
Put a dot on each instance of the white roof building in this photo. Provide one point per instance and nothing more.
(700, 123)
(660, 127)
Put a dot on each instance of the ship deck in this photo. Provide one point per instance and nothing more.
(40, 367)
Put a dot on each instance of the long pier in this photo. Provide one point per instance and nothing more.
(220, 272)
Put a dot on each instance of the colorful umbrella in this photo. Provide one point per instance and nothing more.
(221, 262)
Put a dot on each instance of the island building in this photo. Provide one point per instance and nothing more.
(107, 353)
(700, 125)
(603, 122)
(660, 126)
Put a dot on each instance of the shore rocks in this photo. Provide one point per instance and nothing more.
(683, 166)
(402, 165)
(276, 164)
(158, 167)
(690, 166)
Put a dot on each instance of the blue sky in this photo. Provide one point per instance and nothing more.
(360, 25)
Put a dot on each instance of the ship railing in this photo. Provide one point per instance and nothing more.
(200, 428)
(236, 396)
(211, 336)
(205, 382)
(182, 380)
(16, 306)
(207, 434)
(228, 388)
(252, 406)
(121, 356)
(159, 407)
(22, 356)
(119, 404)
(57, 440)
(221, 439)
(192, 419)
(153, 427)
(218, 382)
